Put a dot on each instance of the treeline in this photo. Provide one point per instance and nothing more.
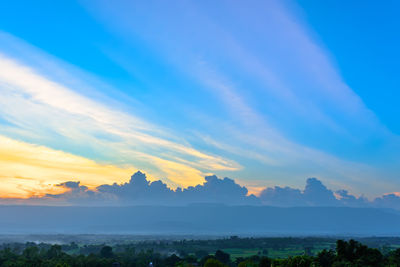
(346, 253)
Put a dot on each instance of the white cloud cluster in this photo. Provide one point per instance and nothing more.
(140, 191)
(315, 194)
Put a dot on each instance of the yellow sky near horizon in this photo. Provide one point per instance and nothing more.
(31, 170)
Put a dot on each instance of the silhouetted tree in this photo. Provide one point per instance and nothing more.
(325, 258)
(54, 252)
(213, 263)
(172, 260)
(394, 257)
(265, 262)
(201, 254)
(222, 256)
(106, 252)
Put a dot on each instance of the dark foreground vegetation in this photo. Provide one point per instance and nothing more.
(233, 251)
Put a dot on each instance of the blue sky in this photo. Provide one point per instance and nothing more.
(268, 93)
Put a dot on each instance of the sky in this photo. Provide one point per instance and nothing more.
(268, 93)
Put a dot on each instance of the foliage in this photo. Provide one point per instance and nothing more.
(347, 253)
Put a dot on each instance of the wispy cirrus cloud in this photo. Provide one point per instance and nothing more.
(281, 99)
(269, 101)
(39, 110)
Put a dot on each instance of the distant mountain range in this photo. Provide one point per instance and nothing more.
(201, 219)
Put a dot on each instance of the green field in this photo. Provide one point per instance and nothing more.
(275, 253)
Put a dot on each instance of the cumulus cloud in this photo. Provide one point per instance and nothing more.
(347, 199)
(218, 190)
(316, 194)
(77, 194)
(282, 196)
(70, 184)
(391, 200)
(140, 191)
